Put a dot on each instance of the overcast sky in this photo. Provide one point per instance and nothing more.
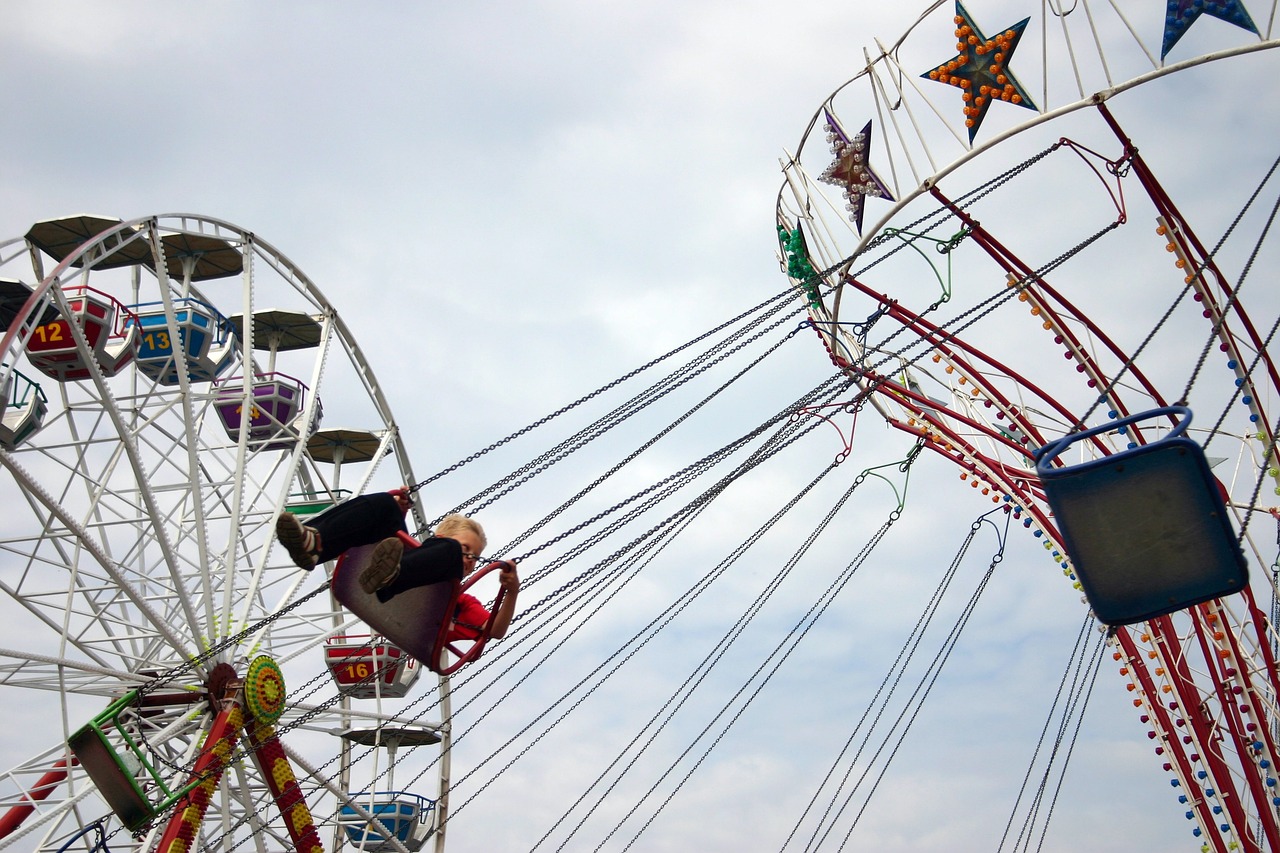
(513, 204)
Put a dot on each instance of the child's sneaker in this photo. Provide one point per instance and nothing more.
(302, 542)
(384, 565)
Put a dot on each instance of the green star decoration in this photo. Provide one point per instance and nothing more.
(799, 268)
(980, 69)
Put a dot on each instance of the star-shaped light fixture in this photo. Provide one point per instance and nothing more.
(1181, 14)
(799, 266)
(852, 170)
(980, 69)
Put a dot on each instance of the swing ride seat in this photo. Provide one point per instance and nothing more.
(118, 786)
(416, 619)
(1146, 528)
(116, 764)
(408, 817)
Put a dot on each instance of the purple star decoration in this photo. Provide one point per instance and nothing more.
(1181, 14)
(852, 170)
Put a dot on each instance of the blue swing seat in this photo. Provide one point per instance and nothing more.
(1146, 528)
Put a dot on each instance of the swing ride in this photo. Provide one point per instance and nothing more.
(171, 384)
(1102, 465)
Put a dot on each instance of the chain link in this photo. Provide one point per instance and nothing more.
(169, 674)
(597, 392)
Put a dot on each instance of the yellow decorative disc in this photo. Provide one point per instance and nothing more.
(264, 689)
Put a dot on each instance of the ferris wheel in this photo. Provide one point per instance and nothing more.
(962, 235)
(170, 675)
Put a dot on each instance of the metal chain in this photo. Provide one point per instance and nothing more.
(661, 621)
(663, 432)
(656, 391)
(794, 638)
(948, 332)
(833, 385)
(241, 752)
(1193, 274)
(922, 227)
(170, 673)
(602, 389)
(791, 432)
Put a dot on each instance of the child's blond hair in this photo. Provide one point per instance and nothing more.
(455, 523)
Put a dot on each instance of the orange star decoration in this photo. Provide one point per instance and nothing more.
(980, 69)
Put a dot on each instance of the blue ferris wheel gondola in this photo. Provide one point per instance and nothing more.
(1146, 528)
